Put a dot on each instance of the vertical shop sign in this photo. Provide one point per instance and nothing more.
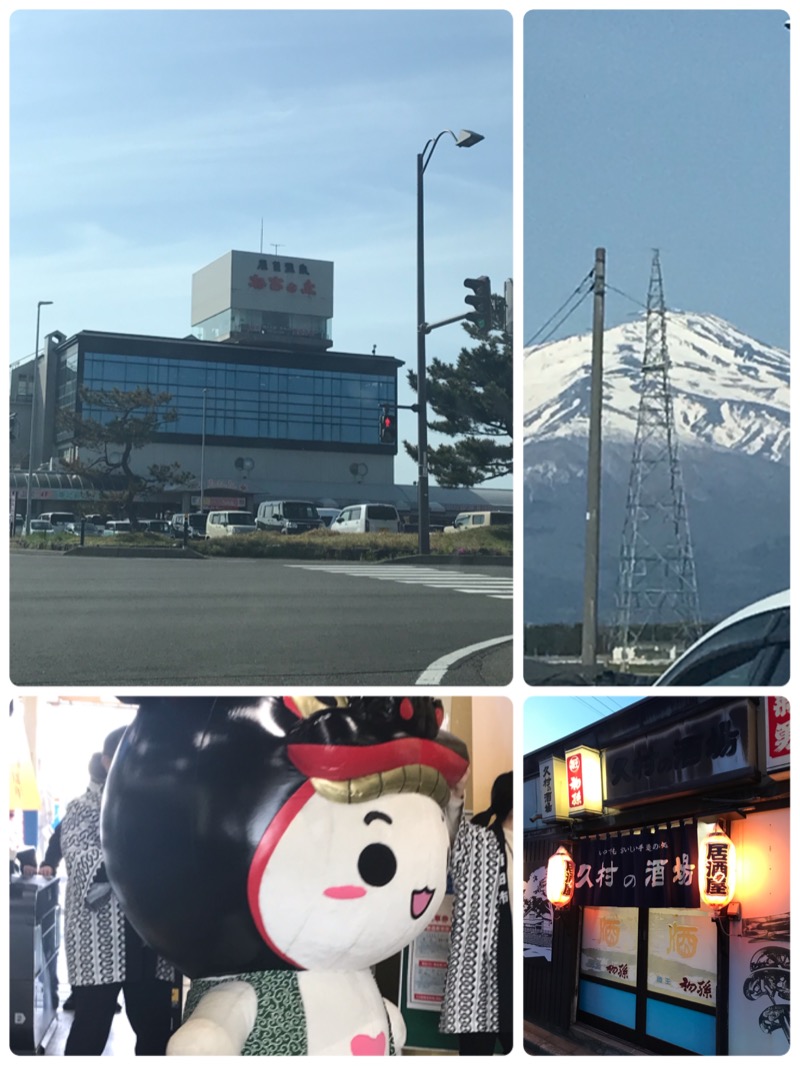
(584, 781)
(778, 745)
(553, 789)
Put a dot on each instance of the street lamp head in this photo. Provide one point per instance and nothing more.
(466, 138)
(44, 303)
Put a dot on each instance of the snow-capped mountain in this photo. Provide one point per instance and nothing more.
(729, 391)
(731, 406)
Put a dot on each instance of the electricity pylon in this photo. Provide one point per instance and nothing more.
(657, 583)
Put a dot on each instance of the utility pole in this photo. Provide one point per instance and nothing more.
(592, 541)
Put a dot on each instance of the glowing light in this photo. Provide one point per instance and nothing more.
(560, 877)
(584, 781)
(717, 869)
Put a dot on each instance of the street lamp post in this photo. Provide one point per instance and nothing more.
(203, 451)
(464, 139)
(39, 306)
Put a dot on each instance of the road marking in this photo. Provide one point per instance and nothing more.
(497, 588)
(433, 674)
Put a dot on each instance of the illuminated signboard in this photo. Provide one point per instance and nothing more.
(584, 781)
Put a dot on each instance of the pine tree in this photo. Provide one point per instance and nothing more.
(126, 422)
(474, 401)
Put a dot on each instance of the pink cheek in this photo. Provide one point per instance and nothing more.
(345, 892)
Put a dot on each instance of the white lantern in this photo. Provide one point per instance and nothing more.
(717, 869)
(560, 877)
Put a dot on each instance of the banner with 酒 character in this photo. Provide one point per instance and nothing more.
(650, 867)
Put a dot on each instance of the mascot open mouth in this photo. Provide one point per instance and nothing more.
(420, 901)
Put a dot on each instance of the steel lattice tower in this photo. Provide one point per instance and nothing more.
(657, 581)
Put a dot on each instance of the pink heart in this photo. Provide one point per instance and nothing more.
(368, 1045)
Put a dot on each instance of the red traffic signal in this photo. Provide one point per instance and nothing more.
(388, 425)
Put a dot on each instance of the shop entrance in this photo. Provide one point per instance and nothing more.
(650, 977)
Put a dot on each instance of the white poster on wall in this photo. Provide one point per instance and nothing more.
(427, 960)
(609, 943)
(758, 1003)
(537, 917)
(759, 997)
(682, 955)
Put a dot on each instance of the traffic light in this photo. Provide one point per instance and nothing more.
(388, 425)
(481, 301)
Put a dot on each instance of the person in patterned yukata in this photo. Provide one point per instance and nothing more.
(104, 953)
(307, 842)
(478, 997)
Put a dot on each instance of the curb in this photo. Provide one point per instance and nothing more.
(190, 553)
(450, 560)
(136, 553)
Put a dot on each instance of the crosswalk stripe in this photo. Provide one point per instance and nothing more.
(499, 588)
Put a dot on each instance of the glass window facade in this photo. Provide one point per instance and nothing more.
(67, 381)
(247, 401)
(262, 324)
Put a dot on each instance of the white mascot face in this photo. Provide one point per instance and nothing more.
(351, 884)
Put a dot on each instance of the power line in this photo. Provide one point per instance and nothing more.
(571, 296)
(627, 297)
(607, 704)
(599, 711)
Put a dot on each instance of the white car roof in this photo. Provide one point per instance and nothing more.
(770, 603)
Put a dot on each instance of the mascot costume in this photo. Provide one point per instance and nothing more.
(274, 849)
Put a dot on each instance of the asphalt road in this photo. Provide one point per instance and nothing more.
(126, 622)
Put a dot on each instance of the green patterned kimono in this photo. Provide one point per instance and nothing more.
(280, 1027)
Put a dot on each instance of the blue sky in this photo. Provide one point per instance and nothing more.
(548, 718)
(167, 136)
(658, 129)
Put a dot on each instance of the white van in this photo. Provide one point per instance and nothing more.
(287, 516)
(479, 519)
(194, 524)
(368, 518)
(229, 523)
(116, 527)
(57, 519)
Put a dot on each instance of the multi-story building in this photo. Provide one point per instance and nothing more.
(264, 408)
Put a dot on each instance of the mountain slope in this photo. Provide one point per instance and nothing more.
(729, 391)
(731, 404)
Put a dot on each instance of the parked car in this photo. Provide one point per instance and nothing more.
(196, 522)
(328, 515)
(93, 525)
(116, 527)
(751, 647)
(479, 520)
(155, 525)
(287, 516)
(40, 525)
(367, 518)
(229, 523)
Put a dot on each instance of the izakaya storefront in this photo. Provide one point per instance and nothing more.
(663, 918)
